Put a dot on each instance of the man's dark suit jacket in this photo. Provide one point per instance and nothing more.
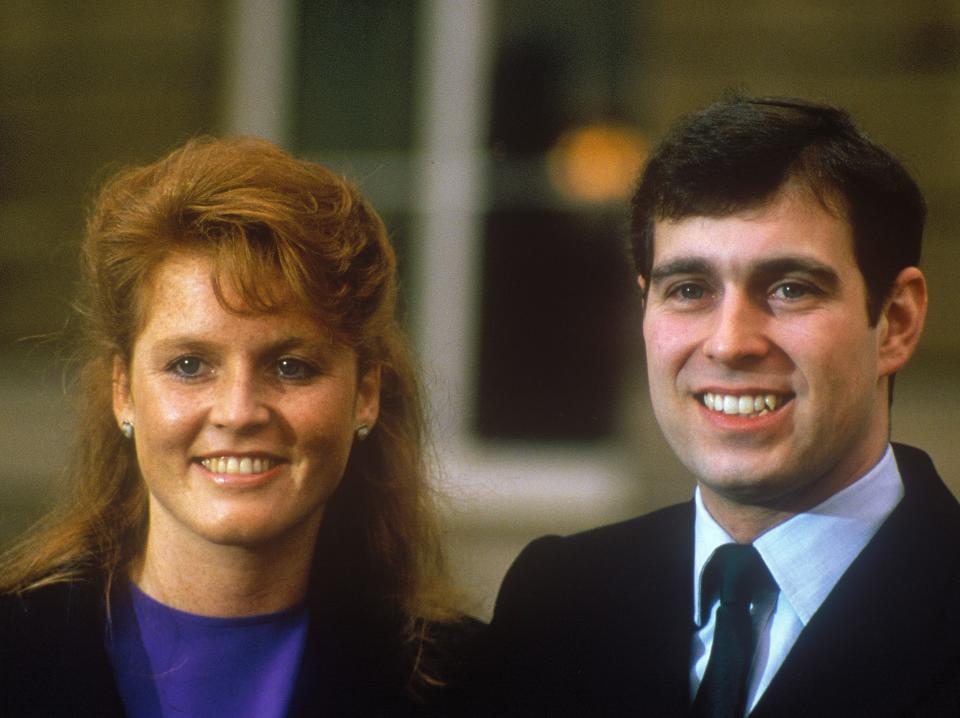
(600, 623)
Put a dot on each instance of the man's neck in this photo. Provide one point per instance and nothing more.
(746, 517)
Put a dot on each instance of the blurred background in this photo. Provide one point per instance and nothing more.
(499, 139)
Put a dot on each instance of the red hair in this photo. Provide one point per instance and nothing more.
(256, 211)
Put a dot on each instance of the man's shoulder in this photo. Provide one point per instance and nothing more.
(629, 540)
(929, 511)
(914, 462)
(919, 544)
(572, 611)
(599, 561)
(633, 535)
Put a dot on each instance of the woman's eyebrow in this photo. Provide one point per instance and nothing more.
(183, 342)
(193, 343)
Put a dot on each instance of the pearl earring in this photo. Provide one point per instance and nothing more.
(126, 428)
(363, 431)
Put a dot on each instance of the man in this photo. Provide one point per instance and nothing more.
(817, 570)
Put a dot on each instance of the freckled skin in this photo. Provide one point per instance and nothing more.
(204, 380)
(726, 321)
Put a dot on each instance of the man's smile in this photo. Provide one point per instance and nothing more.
(743, 404)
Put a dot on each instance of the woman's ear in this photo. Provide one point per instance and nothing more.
(122, 399)
(368, 397)
(901, 320)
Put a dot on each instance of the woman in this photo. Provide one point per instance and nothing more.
(248, 529)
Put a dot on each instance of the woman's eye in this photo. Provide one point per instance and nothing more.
(290, 368)
(187, 367)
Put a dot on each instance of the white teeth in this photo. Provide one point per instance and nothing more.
(731, 405)
(744, 405)
(235, 465)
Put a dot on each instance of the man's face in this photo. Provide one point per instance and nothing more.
(764, 372)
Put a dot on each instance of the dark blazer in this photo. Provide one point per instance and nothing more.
(600, 623)
(53, 661)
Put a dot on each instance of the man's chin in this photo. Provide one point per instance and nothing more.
(758, 491)
(747, 482)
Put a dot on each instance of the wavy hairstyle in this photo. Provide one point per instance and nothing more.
(257, 212)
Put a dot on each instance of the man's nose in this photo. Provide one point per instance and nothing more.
(738, 332)
(239, 403)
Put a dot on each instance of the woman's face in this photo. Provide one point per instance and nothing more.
(243, 422)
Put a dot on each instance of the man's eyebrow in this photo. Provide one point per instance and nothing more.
(780, 266)
(765, 268)
(680, 265)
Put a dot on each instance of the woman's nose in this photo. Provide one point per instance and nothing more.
(238, 404)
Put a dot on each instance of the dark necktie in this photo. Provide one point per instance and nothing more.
(742, 576)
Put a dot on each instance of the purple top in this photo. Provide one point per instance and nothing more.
(171, 663)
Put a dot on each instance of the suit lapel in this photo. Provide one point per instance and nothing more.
(878, 641)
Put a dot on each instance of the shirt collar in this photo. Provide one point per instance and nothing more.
(808, 553)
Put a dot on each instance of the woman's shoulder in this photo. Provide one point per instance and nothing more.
(52, 657)
(449, 644)
(50, 607)
(55, 618)
(448, 653)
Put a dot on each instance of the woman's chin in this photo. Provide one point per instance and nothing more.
(260, 530)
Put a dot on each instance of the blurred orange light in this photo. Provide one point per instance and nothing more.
(596, 163)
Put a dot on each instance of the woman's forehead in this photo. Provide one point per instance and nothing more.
(189, 280)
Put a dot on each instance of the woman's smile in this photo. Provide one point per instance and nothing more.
(246, 471)
(235, 465)
(244, 420)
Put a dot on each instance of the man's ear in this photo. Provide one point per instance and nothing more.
(122, 399)
(368, 397)
(901, 320)
(642, 283)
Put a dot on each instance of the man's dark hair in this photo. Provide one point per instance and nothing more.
(738, 153)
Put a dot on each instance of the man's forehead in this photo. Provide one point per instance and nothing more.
(791, 226)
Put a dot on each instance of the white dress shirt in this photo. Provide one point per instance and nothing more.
(806, 555)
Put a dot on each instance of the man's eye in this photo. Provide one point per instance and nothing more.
(689, 291)
(187, 367)
(290, 368)
(790, 290)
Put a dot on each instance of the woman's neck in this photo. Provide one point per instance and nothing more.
(208, 579)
